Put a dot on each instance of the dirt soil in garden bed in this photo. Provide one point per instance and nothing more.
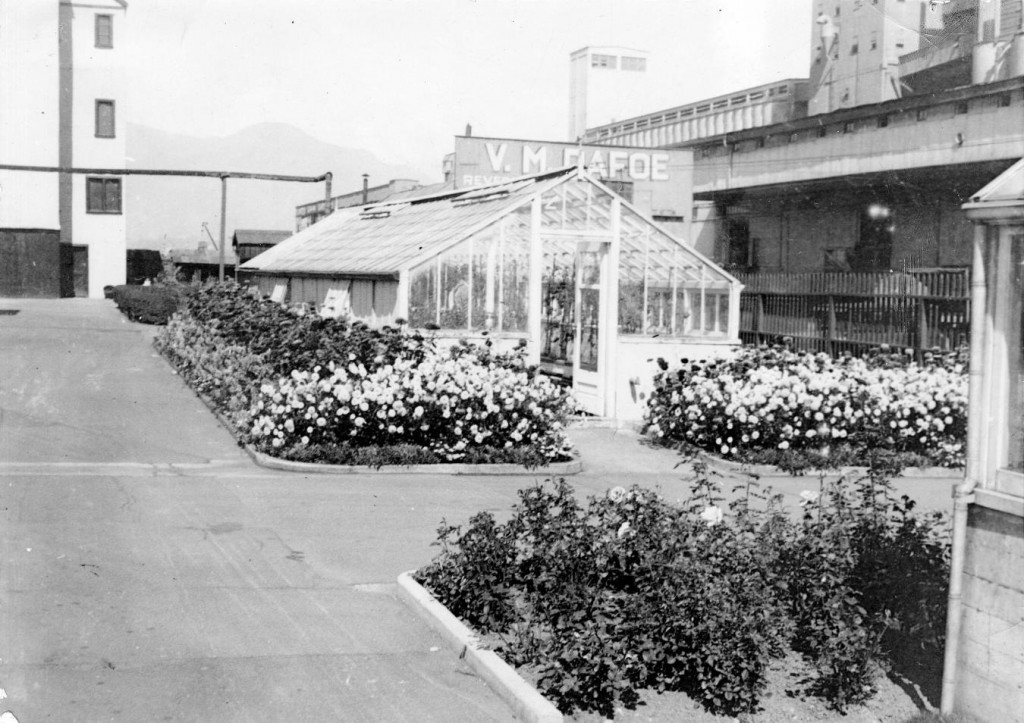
(781, 701)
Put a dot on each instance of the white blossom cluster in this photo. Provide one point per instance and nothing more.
(810, 401)
(445, 403)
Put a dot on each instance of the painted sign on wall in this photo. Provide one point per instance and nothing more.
(660, 181)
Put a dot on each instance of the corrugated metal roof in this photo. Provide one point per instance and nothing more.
(384, 238)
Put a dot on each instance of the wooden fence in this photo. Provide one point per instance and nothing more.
(848, 312)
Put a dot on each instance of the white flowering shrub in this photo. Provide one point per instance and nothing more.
(781, 400)
(447, 403)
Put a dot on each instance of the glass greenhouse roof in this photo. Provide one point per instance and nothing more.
(384, 239)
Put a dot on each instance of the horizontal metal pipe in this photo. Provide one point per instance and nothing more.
(157, 172)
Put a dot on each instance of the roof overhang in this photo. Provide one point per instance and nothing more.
(1001, 200)
(360, 276)
(966, 176)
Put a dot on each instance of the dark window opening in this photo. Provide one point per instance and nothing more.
(1004, 100)
(822, 131)
(883, 121)
(961, 108)
(922, 114)
(103, 195)
(740, 251)
(104, 31)
(104, 119)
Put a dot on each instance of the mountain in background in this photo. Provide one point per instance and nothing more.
(168, 212)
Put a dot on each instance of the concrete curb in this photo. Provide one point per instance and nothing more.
(262, 459)
(526, 702)
(557, 468)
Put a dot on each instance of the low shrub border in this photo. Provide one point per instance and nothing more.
(145, 304)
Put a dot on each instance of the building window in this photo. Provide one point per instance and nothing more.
(855, 47)
(835, 260)
(103, 195)
(822, 131)
(961, 108)
(849, 126)
(104, 31)
(883, 121)
(104, 119)
(1004, 100)
(630, 63)
(922, 114)
(603, 61)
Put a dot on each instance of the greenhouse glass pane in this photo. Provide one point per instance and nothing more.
(484, 275)
(659, 311)
(590, 328)
(697, 319)
(423, 295)
(683, 312)
(558, 295)
(455, 290)
(631, 291)
(576, 207)
(723, 314)
(515, 281)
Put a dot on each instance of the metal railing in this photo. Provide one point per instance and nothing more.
(853, 312)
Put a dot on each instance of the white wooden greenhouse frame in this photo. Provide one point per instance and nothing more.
(556, 262)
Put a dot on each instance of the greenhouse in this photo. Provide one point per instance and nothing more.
(554, 262)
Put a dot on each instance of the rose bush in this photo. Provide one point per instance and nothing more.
(776, 399)
(326, 390)
(445, 403)
(627, 591)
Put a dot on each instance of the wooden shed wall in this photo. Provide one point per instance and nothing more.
(371, 301)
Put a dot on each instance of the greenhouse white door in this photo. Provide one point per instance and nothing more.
(591, 314)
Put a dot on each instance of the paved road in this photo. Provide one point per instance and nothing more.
(149, 571)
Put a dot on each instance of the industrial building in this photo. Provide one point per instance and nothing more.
(910, 107)
(62, 105)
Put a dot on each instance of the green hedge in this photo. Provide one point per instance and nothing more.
(146, 304)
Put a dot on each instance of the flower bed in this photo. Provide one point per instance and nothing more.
(309, 389)
(771, 405)
(626, 592)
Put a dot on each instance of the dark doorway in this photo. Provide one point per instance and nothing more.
(80, 269)
(740, 250)
(873, 251)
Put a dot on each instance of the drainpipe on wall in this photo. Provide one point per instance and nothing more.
(366, 188)
(963, 494)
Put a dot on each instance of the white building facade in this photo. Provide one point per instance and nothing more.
(605, 84)
(62, 105)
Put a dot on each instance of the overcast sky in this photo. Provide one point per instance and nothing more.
(400, 78)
